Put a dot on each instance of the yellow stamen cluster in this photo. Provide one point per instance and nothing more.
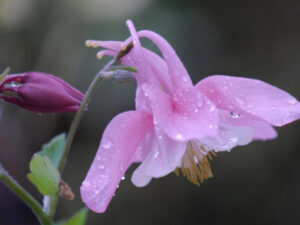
(195, 165)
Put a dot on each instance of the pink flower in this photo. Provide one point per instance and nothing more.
(177, 125)
(40, 92)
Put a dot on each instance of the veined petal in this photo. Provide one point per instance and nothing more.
(228, 137)
(118, 146)
(190, 115)
(163, 158)
(261, 129)
(255, 97)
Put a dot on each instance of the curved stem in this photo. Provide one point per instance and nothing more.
(77, 118)
(25, 196)
(51, 205)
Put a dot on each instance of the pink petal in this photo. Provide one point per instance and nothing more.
(255, 97)
(119, 143)
(228, 137)
(180, 77)
(261, 129)
(164, 156)
(190, 115)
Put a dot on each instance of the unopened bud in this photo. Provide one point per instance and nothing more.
(40, 92)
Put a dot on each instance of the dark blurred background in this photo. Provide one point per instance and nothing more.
(253, 185)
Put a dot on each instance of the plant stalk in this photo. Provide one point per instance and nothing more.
(25, 196)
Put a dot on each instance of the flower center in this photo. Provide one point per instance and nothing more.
(195, 165)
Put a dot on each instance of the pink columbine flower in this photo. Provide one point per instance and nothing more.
(177, 125)
(40, 92)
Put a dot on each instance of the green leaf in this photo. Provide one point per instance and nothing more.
(77, 219)
(54, 148)
(43, 174)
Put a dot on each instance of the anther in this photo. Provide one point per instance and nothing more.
(123, 47)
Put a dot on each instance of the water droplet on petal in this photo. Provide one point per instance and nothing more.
(123, 178)
(97, 191)
(101, 166)
(179, 137)
(184, 78)
(292, 101)
(288, 117)
(233, 140)
(156, 154)
(212, 108)
(234, 115)
(106, 143)
(121, 167)
(86, 183)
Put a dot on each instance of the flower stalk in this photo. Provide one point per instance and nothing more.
(25, 196)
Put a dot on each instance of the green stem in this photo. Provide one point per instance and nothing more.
(51, 205)
(77, 118)
(25, 196)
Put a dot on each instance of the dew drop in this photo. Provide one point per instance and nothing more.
(107, 143)
(97, 191)
(212, 108)
(101, 166)
(123, 178)
(288, 117)
(86, 183)
(234, 115)
(292, 101)
(233, 140)
(121, 167)
(184, 79)
(156, 154)
(13, 84)
(179, 137)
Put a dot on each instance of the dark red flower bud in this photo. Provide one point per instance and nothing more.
(40, 92)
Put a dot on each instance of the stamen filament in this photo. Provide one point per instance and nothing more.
(195, 165)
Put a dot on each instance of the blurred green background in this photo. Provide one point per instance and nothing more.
(256, 184)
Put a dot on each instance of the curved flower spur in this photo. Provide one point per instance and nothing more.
(177, 125)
